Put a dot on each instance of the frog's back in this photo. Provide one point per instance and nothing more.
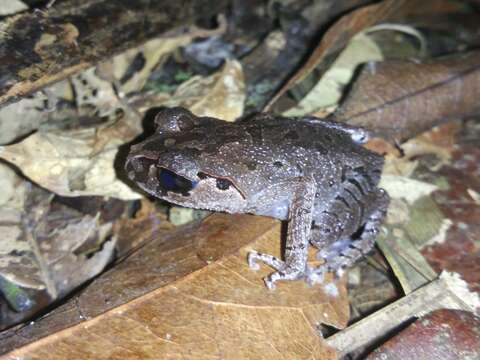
(312, 148)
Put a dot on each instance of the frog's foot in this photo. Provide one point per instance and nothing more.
(283, 272)
(270, 260)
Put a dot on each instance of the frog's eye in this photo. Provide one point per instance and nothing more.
(174, 120)
(170, 181)
(223, 184)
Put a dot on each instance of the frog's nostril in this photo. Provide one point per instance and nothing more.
(137, 167)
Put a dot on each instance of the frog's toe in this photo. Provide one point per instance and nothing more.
(272, 261)
(269, 283)
(286, 274)
(252, 260)
(316, 275)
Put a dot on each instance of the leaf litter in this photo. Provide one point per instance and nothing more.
(202, 299)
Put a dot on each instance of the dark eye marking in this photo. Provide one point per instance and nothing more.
(223, 184)
(278, 164)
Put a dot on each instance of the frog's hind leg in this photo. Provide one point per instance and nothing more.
(345, 252)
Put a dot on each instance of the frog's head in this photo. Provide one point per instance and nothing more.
(171, 164)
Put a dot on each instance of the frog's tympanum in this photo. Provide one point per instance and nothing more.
(311, 172)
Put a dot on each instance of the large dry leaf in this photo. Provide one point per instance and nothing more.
(399, 99)
(220, 310)
(337, 37)
(76, 162)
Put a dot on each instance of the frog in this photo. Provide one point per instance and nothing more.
(313, 173)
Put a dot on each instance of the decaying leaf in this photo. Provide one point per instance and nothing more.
(151, 55)
(70, 163)
(328, 91)
(12, 7)
(414, 96)
(220, 95)
(91, 90)
(423, 188)
(337, 36)
(448, 291)
(40, 250)
(22, 117)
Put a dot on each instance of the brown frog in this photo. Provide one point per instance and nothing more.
(309, 171)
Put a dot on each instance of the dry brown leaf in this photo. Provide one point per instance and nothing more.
(221, 95)
(22, 117)
(93, 91)
(336, 38)
(72, 163)
(152, 53)
(222, 310)
(398, 100)
(40, 257)
(430, 207)
(12, 7)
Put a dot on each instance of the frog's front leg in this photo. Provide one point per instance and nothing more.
(298, 234)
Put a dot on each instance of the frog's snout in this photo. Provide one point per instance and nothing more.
(156, 179)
